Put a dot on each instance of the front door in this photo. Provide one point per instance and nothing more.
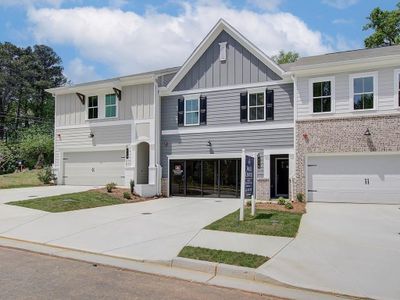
(282, 177)
(177, 177)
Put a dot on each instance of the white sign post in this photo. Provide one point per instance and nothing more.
(242, 181)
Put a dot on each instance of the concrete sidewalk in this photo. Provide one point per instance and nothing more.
(231, 241)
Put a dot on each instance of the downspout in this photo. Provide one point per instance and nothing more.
(292, 181)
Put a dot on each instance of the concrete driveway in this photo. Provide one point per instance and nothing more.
(347, 248)
(152, 230)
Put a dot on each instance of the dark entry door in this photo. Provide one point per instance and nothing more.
(177, 178)
(282, 177)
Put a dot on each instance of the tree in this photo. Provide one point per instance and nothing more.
(386, 26)
(286, 57)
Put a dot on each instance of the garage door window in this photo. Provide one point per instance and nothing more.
(93, 107)
(111, 106)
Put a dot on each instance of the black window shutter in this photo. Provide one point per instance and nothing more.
(181, 112)
(243, 107)
(269, 107)
(203, 110)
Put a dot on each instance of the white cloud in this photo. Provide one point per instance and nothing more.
(340, 4)
(267, 5)
(128, 42)
(79, 72)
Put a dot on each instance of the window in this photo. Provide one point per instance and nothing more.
(93, 107)
(191, 111)
(363, 92)
(322, 96)
(256, 106)
(111, 106)
(397, 88)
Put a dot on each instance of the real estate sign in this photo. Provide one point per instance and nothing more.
(249, 176)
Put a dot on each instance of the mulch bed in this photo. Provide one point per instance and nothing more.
(298, 207)
(119, 193)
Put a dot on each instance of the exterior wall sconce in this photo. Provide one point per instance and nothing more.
(305, 136)
(59, 136)
(209, 144)
(91, 135)
(367, 132)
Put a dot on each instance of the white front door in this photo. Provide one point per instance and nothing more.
(94, 168)
(354, 178)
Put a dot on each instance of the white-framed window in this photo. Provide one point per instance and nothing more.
(256, 105)
(397, 88)
(110, 106)
(363, 91)
(192, 110)
(322, 92)
(93, 107)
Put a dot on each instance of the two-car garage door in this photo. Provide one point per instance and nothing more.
(94, 168)
(354, 178)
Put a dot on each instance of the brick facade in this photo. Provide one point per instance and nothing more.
(164, 186)
(263, 188)
(341, 135)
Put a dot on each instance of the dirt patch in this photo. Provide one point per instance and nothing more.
(298, 207)
(119, 193)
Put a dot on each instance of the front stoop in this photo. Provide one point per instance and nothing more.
(212, 273)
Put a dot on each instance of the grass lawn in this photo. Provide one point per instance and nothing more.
(227, 257)
(69, 202)
(265, 222)
(20, 179)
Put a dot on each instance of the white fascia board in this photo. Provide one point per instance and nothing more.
(209, 39)
(346, 66)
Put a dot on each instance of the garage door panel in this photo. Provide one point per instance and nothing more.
(94, 168)
(354, 178)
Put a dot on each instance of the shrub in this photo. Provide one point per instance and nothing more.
(110, 186)
(132, 184)
(281, 201)
(289, 205)
(300, 197)
(9, 156)
(127, 195)
(46, 175)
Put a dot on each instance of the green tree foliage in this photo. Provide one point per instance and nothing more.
(286, 57)
(386, 27)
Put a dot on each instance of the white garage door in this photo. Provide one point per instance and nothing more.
(354, 178)
(94, 168)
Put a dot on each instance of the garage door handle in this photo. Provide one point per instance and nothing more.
(312, 191)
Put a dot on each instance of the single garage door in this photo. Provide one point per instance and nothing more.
(94, 168)
(354, 178)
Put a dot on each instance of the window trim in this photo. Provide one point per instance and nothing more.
(396, 89)
(105, 106)
(87, 108)
(311, 94)
(374, 76)
(187, 98)
(256, 91)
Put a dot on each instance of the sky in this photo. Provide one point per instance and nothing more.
(107, 38)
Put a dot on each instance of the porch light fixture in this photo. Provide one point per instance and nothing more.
(367, 132)
(209, 144)
(91, 135)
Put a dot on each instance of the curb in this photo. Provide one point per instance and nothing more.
(178, 267)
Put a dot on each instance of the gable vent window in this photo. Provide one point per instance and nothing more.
(222, 52)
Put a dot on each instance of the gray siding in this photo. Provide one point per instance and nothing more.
(223, 107)
(223, 142)
(136, 99)
(240, 67)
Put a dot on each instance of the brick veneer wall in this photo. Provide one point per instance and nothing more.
(263, 189)
(164, 186)
(344, 135)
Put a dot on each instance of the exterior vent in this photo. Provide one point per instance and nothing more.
(222, 51)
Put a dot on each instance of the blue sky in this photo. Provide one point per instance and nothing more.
(100, 39)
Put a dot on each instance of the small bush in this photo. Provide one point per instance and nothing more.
(132, 184)
(289, 205)
(110, 186)
(46, 175)
(127, 195)
(281, 201)
(300, 197)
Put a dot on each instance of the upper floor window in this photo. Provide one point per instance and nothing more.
(322, 96)
(397, 87)
(93, 107)
(111, 106)
(192, 115)
(256, 106)
(363, 92)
